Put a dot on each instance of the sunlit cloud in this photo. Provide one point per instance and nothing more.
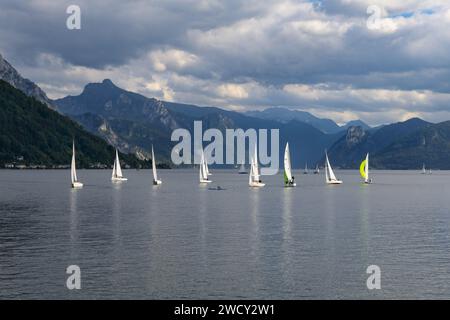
(318, 56)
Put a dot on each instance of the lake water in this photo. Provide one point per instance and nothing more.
(183, 241)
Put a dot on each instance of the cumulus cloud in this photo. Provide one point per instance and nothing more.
(318, 56)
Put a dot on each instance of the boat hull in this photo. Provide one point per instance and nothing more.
(205, 181)
(257, 184)
(77, 185)
(157, 182)
(118, 179)
(334, 182)
(290, 185)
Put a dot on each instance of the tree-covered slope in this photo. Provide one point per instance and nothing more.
(429, 145)
(349, 151)
(31, 133)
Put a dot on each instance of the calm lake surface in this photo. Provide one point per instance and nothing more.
(184, 241)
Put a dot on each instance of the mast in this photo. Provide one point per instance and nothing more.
(367, 168)
(73, 170)
(155, 176)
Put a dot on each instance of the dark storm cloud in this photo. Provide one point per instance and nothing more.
(240, 54)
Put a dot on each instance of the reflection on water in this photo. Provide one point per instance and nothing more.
(255, 228)
(287, 214)
(364, 194)
(182, 240)
(74, 221)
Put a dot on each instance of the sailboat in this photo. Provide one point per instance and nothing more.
(330, 178)
(364, 170)
(317, 171)
(207, 168)
(306, 169)
(203, 174)
(206, 164)
(117, 175)
(424, 170)
(242, 169)
(254, 177)
(288, 178)
(156, 181)
(73, 171)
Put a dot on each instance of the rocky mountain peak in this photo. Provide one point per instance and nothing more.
(9, 74)
(355, 135)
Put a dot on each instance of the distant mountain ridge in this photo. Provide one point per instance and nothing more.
(356, 123)
(134, 123)
(349, 150)
(429, 145)
(285, 115)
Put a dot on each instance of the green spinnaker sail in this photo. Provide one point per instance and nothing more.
(362, 169)
(286, 179)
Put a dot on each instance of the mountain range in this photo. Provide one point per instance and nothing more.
(31, 134)
(348, 151)
(133, 123)
(285, 115)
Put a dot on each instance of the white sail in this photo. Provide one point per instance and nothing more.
(203, 173)
(367, 168)
(118, 167)
(250, 176)
(329, 173)
(117, 174)
(254, 177)
(200, 172)
(207, 168)
(73, 170)
(255, 166)
(287, 163)
(155, 175)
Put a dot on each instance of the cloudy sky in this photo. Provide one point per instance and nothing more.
(334, 58)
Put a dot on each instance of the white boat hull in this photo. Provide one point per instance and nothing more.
(335, 182)
(205, 181)
(77, 185)
(157, 182)
(290, 185)
(256, 184)
(118, 179)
